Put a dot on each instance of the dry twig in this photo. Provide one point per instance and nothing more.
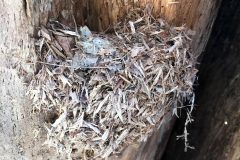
(114, 90)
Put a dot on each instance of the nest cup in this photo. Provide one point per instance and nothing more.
(111, 90)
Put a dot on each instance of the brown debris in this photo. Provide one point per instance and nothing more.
(111, 91)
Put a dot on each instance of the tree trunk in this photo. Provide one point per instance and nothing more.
(19, 23)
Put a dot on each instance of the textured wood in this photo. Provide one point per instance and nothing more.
(99, 14)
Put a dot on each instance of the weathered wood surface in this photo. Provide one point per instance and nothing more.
(100, 14)
(19, 21)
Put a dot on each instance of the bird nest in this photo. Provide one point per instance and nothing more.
(110, 90)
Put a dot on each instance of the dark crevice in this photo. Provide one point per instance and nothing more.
(25, 7)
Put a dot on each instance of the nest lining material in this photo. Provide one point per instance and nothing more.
(111, 90)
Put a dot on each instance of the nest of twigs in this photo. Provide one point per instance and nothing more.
(111, 90)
